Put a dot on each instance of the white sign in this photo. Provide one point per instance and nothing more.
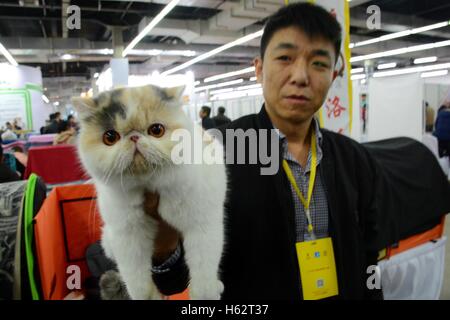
(12, 105)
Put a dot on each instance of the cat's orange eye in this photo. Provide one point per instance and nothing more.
(110, 137)
(156, 130)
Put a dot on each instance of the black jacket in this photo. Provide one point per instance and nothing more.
(7, 175)
(208, 123)
(260, 260)
(221, 120)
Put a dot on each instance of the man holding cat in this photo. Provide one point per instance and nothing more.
(320, 202)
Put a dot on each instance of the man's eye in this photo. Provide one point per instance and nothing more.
(284, 58)
(320, 64)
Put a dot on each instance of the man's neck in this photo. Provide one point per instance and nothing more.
(295, 132)
(298, 136)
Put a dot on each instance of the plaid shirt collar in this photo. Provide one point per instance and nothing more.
(288, 156)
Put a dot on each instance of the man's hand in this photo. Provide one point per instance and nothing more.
(167, 238)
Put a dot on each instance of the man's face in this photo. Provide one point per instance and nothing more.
(296, 74)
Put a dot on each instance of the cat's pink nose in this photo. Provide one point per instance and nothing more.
(134, 138)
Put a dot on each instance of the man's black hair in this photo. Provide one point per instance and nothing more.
(221, 110)
(52, 116)
(313, 20)
(206, 110)
(1, 153)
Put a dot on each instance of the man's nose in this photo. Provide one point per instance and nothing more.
(300, 74)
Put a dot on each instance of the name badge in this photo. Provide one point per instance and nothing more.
(317, 269)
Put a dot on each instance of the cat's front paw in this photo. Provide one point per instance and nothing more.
(206, 290)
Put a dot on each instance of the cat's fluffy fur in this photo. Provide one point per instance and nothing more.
(191, 196)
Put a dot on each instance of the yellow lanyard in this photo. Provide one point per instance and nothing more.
(312, 178)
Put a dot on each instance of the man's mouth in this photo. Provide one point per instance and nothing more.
(298, 97)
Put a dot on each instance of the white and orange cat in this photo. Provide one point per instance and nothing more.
(125, 145)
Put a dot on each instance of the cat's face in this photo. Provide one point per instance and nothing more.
(126, 132)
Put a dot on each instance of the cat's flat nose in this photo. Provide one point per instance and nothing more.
(134, 138)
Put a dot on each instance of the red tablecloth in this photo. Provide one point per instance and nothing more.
(55, 164)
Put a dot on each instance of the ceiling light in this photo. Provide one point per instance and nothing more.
(8, 55)
(150, 26)
(215, 51)
(386, 66)
(221, 91)
(253, 79)
(401, 51)
(96, 75)
(425, 60)
(230, 74)
(411, 70)
(250, 86)
(67, 56)
(356, 70)
(358, 77)
(218, 85)
(434, 74)
(45, 99)
(400, 34)
(56, 103)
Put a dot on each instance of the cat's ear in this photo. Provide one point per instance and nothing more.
(175, 92)
(84, 105)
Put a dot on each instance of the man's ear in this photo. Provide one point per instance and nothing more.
(335, 74)
(258, 63)
(84, 105)
(175, 92)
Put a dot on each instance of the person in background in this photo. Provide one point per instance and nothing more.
(221, 118)
(66, 134)
(6, 174)
(207, 122)
(429, 118)
(8, 134)
(442, 129)
(73, 122)
(53, 126)
(17, 124)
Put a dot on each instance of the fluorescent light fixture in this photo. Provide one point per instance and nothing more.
(96, 75)
(351, 45)
(221, 91)
(230, 74)
(56, 103)
(8, 55)
(358, 77)
(237, 94)
(45, 98)
(67, 56)
(411, 70)
(425, 60)
(215, 51)
(400, 34)
(434, 74)
(106, 51)
(421, 47)
(363, 81)
(247, 87)
(253, 79)
(250, 86)
(219, 85)
(356, 70)
(386, 66)
(150, 26)
(196, 83)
